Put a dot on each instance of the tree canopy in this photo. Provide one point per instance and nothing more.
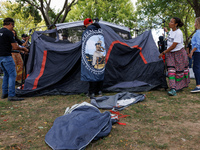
(23, 21)
(154, 13)
(115, 11)
(149, 14)
(50, 15)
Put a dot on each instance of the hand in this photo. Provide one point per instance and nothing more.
(25, 50)
(190, 55)
(28, 37)
(161, 54)
(165, 29)
(22, 52)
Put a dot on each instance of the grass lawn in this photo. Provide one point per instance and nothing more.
(159, 122)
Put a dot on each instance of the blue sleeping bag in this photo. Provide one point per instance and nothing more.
(76, 130)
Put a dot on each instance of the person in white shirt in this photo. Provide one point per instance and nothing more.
(176, 58)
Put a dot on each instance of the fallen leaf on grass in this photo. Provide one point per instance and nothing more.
(12, 136)
(183, 139)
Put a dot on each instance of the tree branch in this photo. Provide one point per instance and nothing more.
(67, 9)
(59, 14)
(190, 2)
(30, 2)
(45, 16)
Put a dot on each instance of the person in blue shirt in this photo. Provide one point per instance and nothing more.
(195, 52)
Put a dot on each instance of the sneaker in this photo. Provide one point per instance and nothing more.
(172, 92)
(92, 95)
(14, 98)
(197, 89)
(88, 95)
(4, 96)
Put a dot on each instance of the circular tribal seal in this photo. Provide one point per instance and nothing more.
(93, 51)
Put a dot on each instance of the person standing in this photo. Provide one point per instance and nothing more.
(7, 43)
(18, 60)
(27, 44)
(188, 49)
(195, 52)
(176, 58)
(93, 66)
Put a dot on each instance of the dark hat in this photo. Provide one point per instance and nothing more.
(24, 35)
(87, 21)
(98, 43)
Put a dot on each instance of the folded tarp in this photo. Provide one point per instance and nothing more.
(76, 129)
(118, 101)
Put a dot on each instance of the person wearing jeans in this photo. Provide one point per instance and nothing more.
(196, 54)
(7, 43)
(8, 67)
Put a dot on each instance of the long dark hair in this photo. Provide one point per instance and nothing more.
(178, 20)
(16, 38)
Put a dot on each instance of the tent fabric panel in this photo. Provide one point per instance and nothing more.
(59, 65)
(148, 77)
(41, 71)
(145, 41)
(125, 64)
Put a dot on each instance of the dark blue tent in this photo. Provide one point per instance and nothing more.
(53, 66)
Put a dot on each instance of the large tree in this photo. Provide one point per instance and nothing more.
(23, 21)
(115, 11)
(49, 15)
(195, 4)
(154, 13)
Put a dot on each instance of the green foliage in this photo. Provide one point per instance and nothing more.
(23, 21)
(30, 10)
(27, 10)
(50, 16)
(151, 14)
(118, 11)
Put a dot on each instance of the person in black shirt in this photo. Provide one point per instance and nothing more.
(7, 43)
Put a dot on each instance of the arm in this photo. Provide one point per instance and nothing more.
(102, 48)
(25, 43)
(187, 50)
(168, 50)
(16, 47)
(192, 51)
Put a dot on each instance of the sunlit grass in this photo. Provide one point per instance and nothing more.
(159, 122)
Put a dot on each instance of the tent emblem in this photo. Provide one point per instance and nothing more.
(93, 52)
